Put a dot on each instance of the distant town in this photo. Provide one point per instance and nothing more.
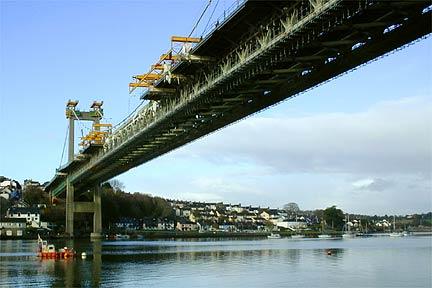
(27, 210)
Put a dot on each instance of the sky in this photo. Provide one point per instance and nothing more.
(362, 142)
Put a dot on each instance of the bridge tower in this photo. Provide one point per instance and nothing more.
(94, 115)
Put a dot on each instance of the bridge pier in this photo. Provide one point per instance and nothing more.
(83, 207)
(97, 213)
(69, 208)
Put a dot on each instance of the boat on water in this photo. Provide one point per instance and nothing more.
(297, 236)
(121, 237)
(394, 233)
(323, 235)
(347, 233)
(274, 236)
(48, 251)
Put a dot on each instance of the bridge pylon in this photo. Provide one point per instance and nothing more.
(95, 138)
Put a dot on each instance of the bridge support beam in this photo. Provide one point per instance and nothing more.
(83, 207)
(69, 208)
(97, 213)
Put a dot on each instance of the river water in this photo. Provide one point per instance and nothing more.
(361, 262)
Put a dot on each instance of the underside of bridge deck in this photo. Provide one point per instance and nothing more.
(266, 52)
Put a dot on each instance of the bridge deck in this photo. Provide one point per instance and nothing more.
(291, 50)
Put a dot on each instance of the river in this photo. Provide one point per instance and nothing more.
(360, 262)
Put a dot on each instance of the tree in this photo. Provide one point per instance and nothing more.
(334, 216)
(291, 208)
(4, 205)
(54, 214)
(116, 205)
(117, 185)
(35, 195)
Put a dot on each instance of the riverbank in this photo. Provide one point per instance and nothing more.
(163, 234)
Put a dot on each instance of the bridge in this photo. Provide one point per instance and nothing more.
(261, 53)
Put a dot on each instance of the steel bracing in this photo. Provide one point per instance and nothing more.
(265, 52)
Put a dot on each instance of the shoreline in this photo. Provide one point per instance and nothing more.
(152, 235)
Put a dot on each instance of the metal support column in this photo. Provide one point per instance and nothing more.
(71, 139)
(97, 213)
(69, 208)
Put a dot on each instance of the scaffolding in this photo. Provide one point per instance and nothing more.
(180, 50)
(98, 135)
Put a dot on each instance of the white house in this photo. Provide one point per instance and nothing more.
(12, 227)
(31, 215)
(292, 225)
(184, 225)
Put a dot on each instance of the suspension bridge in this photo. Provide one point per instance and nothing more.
(260, 53)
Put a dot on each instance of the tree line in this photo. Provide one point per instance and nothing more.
(116, 204)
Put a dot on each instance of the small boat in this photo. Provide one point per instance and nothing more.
(274, 236)
(394, 233)
(121, 237)
(347, 230)
(47, 251)
(323, 235)
(297, 236)
(349, 234)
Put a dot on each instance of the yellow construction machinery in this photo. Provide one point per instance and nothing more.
(180, 48)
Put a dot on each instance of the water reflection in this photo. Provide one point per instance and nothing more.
(97, 262)
(70, 272)
(220, 263)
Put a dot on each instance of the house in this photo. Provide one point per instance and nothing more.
(165, 225)
(185, 212)
(31, 183)
(10, 189)
(237, 208)
(264, 214)
(292, 225)
(30, 214)
(227, 227)
(185, 225)
(213, 206)
(127, 224)
(254, 209)
(12, 227)
(149, 223)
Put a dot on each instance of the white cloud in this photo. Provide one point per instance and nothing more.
(364, 183)
(371, 184)
(375, 161)
(391, 137)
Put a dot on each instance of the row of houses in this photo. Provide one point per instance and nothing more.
(235, 217)
(17, 219)
(201, 216)
(12, 189)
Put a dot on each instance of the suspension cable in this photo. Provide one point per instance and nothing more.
(142, 103)
(64, 145)
(199, 19)
(211, 16)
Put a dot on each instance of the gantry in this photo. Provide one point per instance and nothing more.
(162, 70)
(99, 132)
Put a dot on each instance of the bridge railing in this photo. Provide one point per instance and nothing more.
(227, 13)
(244, 54)
(241, 64)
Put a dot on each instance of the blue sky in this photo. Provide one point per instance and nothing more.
(362, 142)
